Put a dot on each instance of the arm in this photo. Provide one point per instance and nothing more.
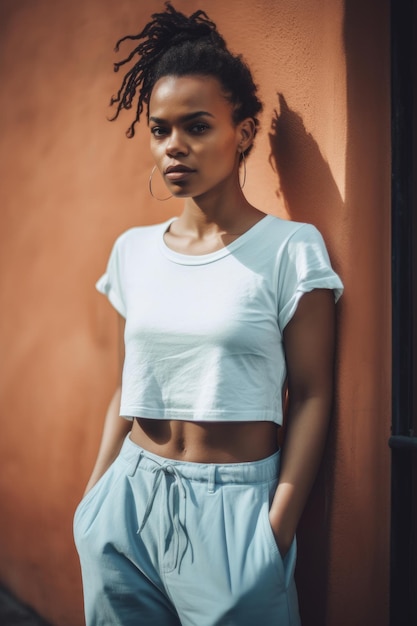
(115, 428)
(309, 349)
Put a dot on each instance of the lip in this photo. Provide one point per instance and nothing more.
(178, 172)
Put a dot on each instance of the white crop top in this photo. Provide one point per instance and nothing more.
(203, 333)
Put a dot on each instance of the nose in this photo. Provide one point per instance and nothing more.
(176, 144)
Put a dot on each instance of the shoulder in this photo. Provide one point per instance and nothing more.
(138, 237)
(289, 229)
(285, 236)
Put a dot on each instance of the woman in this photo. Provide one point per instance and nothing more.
(190, 513)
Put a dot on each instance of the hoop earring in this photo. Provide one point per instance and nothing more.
(150, 187)
(244, 170)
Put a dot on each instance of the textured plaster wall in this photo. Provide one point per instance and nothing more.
(71, 183)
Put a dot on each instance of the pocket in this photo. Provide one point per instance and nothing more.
(89, 496)
(266, 525)
(285, 565)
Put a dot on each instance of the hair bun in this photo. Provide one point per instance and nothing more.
(171, 28)
(179, 28)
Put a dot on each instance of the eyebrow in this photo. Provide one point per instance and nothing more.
(184, 118)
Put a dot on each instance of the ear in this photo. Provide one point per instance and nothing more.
(246, 133)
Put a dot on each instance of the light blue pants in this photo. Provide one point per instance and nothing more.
(167, 543)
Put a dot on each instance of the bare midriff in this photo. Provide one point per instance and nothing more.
(206, 442)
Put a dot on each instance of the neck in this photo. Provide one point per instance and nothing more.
(217, 212)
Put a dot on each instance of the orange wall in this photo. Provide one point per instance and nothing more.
(72, 182)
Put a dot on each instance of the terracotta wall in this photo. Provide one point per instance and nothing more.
(71, 182)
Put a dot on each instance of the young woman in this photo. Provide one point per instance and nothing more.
(190, 513)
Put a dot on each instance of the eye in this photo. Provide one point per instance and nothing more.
(200, 128)
(158, 131)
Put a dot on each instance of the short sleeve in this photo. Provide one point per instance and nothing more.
(110, 283)
(305, 266)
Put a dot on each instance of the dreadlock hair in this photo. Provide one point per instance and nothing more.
(172, 44)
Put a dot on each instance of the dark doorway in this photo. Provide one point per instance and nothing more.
(403, 442)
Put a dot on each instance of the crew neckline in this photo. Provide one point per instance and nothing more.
(203, 259)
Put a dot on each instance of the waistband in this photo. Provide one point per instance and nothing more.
(250, 472)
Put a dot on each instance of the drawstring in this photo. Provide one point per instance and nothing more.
(178, 489)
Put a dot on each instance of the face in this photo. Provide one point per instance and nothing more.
(194, 141)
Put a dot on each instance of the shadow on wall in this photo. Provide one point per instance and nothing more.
(306, 183)
(309, 192)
